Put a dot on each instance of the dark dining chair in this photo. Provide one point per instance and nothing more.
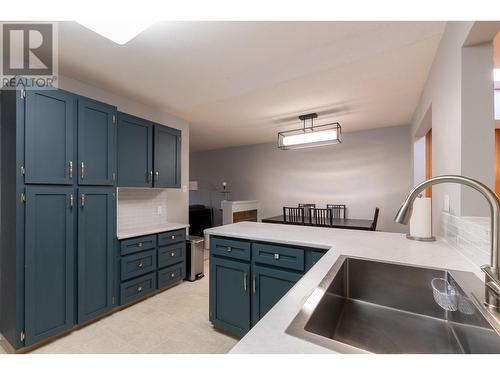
(307, 208)
(321, 217)
(293, 215)
(338, 210)
(375, 219)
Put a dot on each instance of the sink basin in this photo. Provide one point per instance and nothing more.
(371, 306)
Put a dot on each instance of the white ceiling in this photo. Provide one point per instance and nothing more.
(241, 82)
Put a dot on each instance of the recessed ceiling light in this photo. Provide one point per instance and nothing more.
(119, 32)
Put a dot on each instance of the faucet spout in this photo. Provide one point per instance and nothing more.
(492, 272)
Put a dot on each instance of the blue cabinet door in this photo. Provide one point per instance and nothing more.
(95, 251)
(135, 151)
(167, 157)
(269, 285)
(96, 143)
(230, 295)
(49, 137)
(49, 263)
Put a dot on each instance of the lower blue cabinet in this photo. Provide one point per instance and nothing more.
(137, 288)
(95, 251)
(269, 285)
(230, 295)
(50, 263)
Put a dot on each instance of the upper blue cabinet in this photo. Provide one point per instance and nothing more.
(49, 136)
(149, 155)
(96, 143)
(167, 156)
(135, 151)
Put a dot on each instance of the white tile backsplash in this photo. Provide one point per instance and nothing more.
(139, 207)
(469, 235)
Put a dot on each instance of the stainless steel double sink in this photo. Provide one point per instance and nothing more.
(371, 306)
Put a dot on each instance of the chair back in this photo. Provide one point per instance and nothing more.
(375, 219)
(321, 216)
(293, 215)
(338, 210)
(307, 208)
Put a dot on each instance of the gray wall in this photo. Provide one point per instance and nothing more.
(370, 168)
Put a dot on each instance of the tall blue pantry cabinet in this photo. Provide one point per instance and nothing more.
(58, 213)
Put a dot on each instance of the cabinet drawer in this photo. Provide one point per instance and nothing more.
(137, 288)
(168, 238)
(137, 244)
(312, 257)
(138, 264)
(172, 254)
(230, 248)
(280, 256)
(171, 275)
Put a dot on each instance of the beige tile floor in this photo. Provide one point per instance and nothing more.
(174, 321)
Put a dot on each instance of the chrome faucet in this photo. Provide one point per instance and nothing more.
(492, 274)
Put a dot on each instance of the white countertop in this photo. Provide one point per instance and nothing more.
(269, 336)
(151, 229)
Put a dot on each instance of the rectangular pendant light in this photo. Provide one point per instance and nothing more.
(313, 136)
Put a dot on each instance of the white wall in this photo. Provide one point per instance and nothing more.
(419, 161)
(370, 168)
(177, 199)
(460, 91)
(497, 104)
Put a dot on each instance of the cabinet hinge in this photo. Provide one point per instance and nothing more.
(23, 94)
(23, 197)
(23, 170)
(22, 336)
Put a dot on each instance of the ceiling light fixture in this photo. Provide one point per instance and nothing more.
(119, 32)
(312, 136)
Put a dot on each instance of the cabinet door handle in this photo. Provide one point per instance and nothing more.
(82, 170)
(172, 254)
(71, 200)
(229, 249)
(70, 166)
(276, 256)
(245, 281)
(139, 289)
(172, 275)
(173, 237)
(149, 176)
(139, 244)
(157, 176)
(82, 200)
(140, 265)
(254, 285)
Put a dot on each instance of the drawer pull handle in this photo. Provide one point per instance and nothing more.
(139, 289)
(172, 254)
(276, 256)
(140, 265)
(172, 275)
(229, 249)
(173, 237)
(139, 244)
(245, 281)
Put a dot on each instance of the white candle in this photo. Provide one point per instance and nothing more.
(420, 222)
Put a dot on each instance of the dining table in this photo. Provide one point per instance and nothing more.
(359, 224)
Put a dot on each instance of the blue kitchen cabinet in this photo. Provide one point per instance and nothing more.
(95, 254)
(230, 295)
(50, 263)
(269, 285)
(135, 151)
(50, 125)
(149, 154)
(167, 157)
(96, 143)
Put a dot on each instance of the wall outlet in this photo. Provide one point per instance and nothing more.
(446, 203)
(184, 188)
(158, 210)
